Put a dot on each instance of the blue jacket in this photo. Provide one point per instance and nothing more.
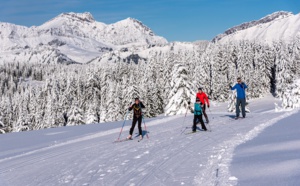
(240, 89)
(197, 109)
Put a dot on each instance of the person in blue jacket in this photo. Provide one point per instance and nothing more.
(198, 115)
(241, 97)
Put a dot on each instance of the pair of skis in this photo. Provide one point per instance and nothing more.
(183, 123)
(126, 139)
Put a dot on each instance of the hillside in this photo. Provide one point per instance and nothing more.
(279, 26)
(86, 155)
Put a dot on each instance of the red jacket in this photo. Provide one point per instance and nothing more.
(203, 98)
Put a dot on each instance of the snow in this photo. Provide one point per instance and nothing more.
(272, 158)
(79, 36)
(86, 154)
(284, 28)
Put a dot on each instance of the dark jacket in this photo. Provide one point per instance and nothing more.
(137, 109)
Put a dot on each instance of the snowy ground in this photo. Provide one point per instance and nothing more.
(272, 158)
(86, 155)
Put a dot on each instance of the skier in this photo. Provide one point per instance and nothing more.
(204, 100)
(198, 115)
(241, 97)
(137, 117)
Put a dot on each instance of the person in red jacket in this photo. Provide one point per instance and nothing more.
(204, 100)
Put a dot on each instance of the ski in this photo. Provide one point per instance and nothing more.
(240, 118)
(192, 132)
(197, 131)
(122, 140)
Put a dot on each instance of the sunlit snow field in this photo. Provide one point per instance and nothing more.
(264, 148)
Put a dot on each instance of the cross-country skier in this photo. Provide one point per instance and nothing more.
(204, 100)
(137, 117)
(198, 115)
(241, 97)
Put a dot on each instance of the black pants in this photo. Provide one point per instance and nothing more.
(204, 112)
(199, 118)
(241, 102)
(139, 120)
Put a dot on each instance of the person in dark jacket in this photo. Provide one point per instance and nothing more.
(198, 115)
(241, 97)
(137, 117)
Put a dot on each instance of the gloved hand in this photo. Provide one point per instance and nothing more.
(230, 86)
(208, 106)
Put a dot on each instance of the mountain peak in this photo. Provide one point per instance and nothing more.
(135, 21)
(244, 26)
(86, 16)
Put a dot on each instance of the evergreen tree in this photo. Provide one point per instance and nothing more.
(182, 91)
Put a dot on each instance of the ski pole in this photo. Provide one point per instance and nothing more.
(184, 118)
(123, 125)
(145, 127)
(144, 121)
(211, 113)
(208, 123)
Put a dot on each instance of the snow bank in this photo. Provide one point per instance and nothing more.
(219, 162)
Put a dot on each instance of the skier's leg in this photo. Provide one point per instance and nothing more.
(194, 123)
(243, 104)
(133, 125)
(202, 123)
(204, 113)
(140, 125)
(237, 107)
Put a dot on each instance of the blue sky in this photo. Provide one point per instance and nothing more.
(176, 20)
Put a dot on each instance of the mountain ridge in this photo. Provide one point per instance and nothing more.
(263, 29)
(76, 35)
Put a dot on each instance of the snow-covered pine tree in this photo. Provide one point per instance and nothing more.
(201, 72)
(284, 75)
(220, 73)
(181, 92)
(91, 115)
(75, 115)
(262, 75)
(291, 95)
(2, 126)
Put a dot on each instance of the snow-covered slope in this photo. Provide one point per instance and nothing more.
(86, 155)
(75, 35)
(274, 27)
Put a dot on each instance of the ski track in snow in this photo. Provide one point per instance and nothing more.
(166, 158)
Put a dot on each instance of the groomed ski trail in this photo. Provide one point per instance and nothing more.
(167, 158)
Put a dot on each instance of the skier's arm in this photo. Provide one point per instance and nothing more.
(130, 108)
(191, 108)
(142, 105)
(206, 99)
(233, 88)
(244, 85)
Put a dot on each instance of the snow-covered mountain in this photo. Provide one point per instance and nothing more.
(274, 27)
(76, 36)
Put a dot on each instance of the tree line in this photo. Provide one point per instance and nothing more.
(36, 96)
